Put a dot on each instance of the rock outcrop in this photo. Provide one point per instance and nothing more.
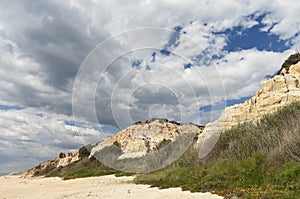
(275, 92)
(144, 137)
(291, 60)
(60, 161)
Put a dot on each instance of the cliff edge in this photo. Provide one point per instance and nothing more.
(279, 90)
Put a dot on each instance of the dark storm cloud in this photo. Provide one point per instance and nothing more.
(58, 39)
(153, 95)
(56, 36)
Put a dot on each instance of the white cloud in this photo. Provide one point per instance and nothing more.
(244, 70)
(29, 133)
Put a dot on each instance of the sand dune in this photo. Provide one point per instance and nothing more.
(105, 187)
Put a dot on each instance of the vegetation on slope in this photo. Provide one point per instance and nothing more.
(276, 136)
(84, 168)
(109, 155)
(250, 161)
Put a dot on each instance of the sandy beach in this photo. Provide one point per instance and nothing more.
(104, 187)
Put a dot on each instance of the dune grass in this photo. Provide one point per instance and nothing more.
(249, 161)
(250, 178)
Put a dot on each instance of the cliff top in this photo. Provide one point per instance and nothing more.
(291, 60)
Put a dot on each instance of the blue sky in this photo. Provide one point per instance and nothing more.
(221, 105)
(109, 130)
(10, 107)
(240, 38)
(184, 60)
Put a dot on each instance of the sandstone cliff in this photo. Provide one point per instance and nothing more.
(135, 141)
(60, 161)
(144, 137)
(275, 92)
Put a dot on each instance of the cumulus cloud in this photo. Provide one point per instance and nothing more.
(39, 136)
(42, 46)
(178, 69)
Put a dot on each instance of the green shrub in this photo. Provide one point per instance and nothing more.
(290, 172)
(116, 143)
(292, 59)
(85, 151)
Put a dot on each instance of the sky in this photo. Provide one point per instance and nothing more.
(75, 72)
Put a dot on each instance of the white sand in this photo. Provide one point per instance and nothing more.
(105, 187)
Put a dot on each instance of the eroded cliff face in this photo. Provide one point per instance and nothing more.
(275, 92)
(60, 161)
(135, 141)
(144, 137)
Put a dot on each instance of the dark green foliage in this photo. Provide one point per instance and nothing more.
(163, 143)
(116, 143)
(293, 59)
(85, 151)
(45, 171)
(290, 172)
